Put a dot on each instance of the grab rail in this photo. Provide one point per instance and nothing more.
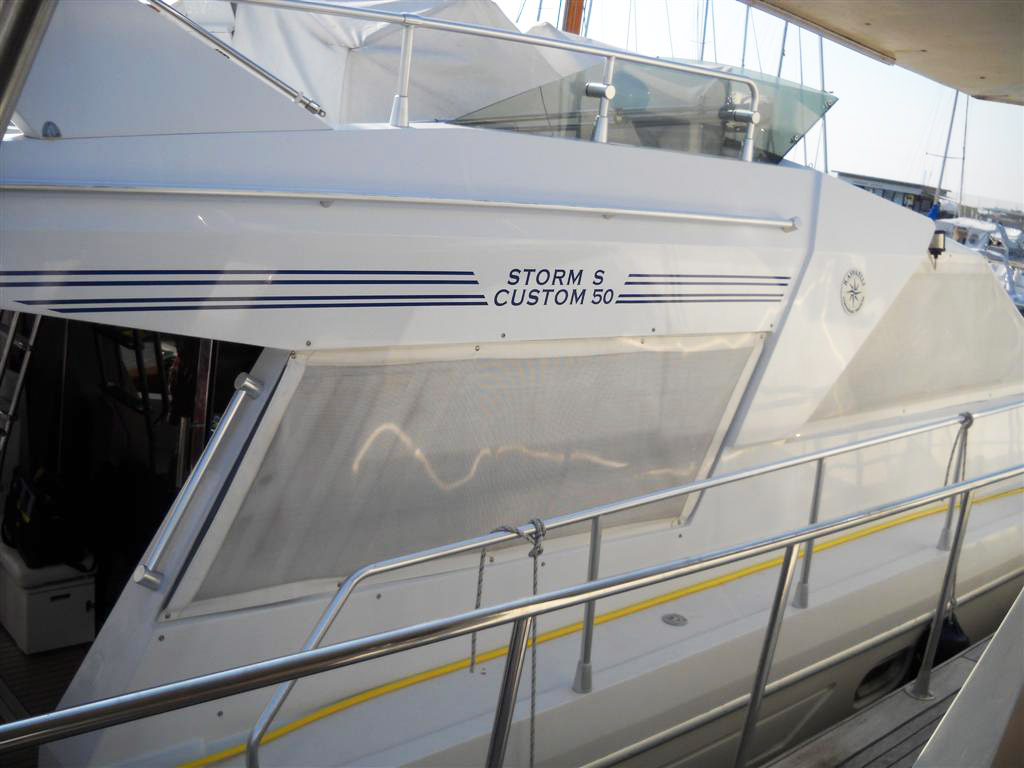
(594, 515)
(171, 696)
(147, 573)
(240, 58)
(411, 21)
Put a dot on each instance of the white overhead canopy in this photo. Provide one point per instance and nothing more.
(974, 46)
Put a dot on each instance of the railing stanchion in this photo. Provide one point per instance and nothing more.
(921, 689)
(801, 596)
(606, 92)
(259, 728)
(764, 663)
(584, 678)
(400, 106)
(509, 688)
(959, 473)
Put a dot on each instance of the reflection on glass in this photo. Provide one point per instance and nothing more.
(663, 109)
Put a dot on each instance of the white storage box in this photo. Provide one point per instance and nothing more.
(45, 608)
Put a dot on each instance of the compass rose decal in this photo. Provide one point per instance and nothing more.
(853, 290)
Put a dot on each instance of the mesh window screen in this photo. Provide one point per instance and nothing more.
(374, 461)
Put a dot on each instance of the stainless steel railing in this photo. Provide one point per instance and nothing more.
(148, 573)
(279, 85)
(411, 21)
(521, 613)
(582, 682)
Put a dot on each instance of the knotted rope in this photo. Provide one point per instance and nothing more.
(536, 541)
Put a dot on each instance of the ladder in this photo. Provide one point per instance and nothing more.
(15, 353)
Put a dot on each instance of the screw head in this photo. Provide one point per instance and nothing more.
(674, 619)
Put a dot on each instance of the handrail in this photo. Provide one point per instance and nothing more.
(785, 224)
(147, 573)
(593, 514)
(410, 21)
(240, 58)
(171, 696)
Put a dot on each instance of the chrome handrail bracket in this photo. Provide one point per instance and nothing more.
(147, 573)
(605, 91)
(400, 107)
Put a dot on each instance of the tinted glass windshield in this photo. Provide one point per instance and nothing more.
(663, 109)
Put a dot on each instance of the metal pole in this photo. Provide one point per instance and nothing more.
(922, 685)
(800, 599)
(824, 118)
(963, 156)
(704, 32)
(764, 664)
(521, 630)
(239, 58)
(584, 680)
(22, 27)
(400, 106)
(782, 52)
(147, 573)
(746, 23)
(945, 153)
(959, 470)
(259, 728)
(607, 94)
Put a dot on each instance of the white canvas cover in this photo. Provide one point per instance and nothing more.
(350, 66)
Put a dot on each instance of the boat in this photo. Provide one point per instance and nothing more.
(495, 366)
(1001, 246)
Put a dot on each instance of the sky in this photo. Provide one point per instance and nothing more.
(888, 121)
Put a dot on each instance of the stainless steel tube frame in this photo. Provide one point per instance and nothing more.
(311, 6)
(238, 57)
(764, 662)
(662, 737)
(959, 473)
(801, 597)
(583, 682)
(601, 123)
(148, 572)
(400, 106)
(593, 514)
(170, 696)
(921, 689)
(521, 630)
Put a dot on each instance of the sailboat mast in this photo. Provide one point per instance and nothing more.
(824, 118)
(746, 24)
(934, 212)
(572, 18)
(963, 155)
(782, 51)
(704, 31)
